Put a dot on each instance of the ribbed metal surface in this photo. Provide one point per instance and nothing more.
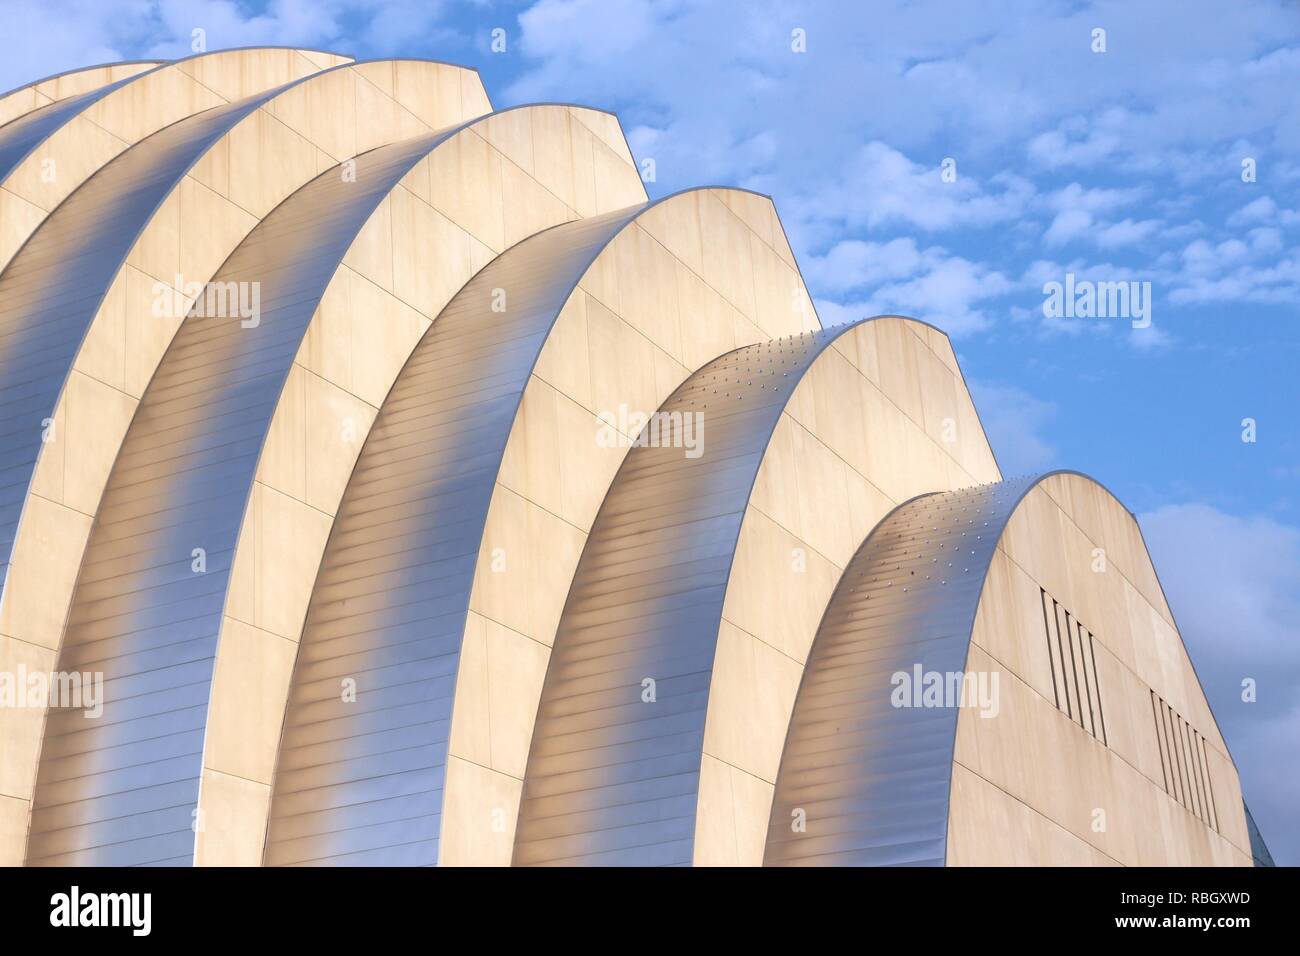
(872, 779)
(53, 287)
(362, 783)
(612, 780)
(21, 136)
(121, 790)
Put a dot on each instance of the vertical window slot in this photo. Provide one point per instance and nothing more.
(1160, 747)
(1072, 663)
(1184, 762)
(1200, 777)
(1178, 755)
(1191, 768)
(1096, 683)
(1198, 744)
(1169, 748)
(1051, 656)
(1060, 646)
(1087, 679)
(1209, 784)
(1074, 667)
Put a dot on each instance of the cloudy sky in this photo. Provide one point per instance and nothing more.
(1171, 158)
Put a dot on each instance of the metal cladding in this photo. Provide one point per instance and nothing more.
(44, 316)
(610, 780)
(123, 790)
(220, 734)
(19, 137)
(874, 777)
(363, 783)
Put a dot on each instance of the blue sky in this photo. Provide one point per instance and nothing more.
(1123, 165)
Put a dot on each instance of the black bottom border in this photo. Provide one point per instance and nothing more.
(207, 906)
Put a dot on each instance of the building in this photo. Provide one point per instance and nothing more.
(386, 480)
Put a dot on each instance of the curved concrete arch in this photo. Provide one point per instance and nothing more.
(998, 581)
(47, 155)
(519, 386)
(702, 580)
(61, 86)
(153, 453)
(80, 329)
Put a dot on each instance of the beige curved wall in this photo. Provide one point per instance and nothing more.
(32, 97)
(154, 99)
(504, 178)
(881, 416)
(264, 158)
(1092, 794)
(694, 276)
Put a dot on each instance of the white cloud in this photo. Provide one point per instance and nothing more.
(1263, 209)
(1260, 270)
(855, 263)
(565, 34)
(1266, 239)
(947, 295)
(1151, 338)
(1072, 143)
(838, 313)
(78, 33)
(1126, 233)
(1068, 224)
(1077, 196)
(732, 103)
(942, 289)
(880, 186)
(1077, 211)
